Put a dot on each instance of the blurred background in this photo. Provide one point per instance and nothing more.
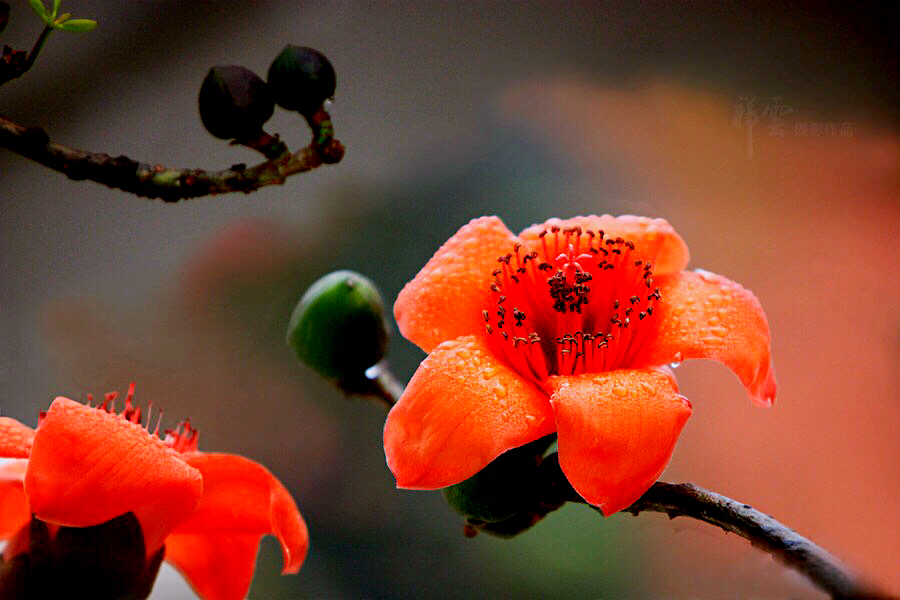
(767, 135)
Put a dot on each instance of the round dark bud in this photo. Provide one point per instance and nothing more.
(4, 14)
(234, 103)
(302, 79)
(338, 327)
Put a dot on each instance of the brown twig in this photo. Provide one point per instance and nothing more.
(170, 184)
(761, 530)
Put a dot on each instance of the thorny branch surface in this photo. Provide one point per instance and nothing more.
(683, 500)
(165, 183)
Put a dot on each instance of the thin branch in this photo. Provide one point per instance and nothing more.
(171, 184)
(378, 383)
(688, 500)
(36, 48)
(761, 530)
(15, 63)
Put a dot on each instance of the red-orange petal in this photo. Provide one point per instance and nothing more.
(241, 497)
(617, 431)
(654, 239)
(461, 409)
(446, 298)
(703, 315)
(15, 439)
(217, 566)
(88, 466)
(14, 511)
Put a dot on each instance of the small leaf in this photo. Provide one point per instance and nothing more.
(62, 18)
(56, 4)
(79, 25)
(40, 9)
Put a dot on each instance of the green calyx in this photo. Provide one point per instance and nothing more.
(502, 489)
(302, 79)
(235, 103)
(338, 327)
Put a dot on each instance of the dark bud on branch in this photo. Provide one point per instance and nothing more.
(338, 327)
(302, 79)
(4, 14)
(235, 103)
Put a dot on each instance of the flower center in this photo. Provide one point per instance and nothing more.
(573, 302)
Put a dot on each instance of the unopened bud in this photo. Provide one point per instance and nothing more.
(235, 103)
(338, 327)
(302, 79)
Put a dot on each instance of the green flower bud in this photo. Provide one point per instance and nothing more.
(301, 79)
(499, 491)
(338, 327)
(234, 103)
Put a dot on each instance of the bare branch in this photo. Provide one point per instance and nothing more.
(170, 184)
(761, 530)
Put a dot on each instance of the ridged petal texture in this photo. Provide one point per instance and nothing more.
(88, 466)
(461, 410)
(445, 299)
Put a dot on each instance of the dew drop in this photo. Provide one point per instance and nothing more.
(619, 391)
(719, 331)
(707, 276)
(500, 391)
(677, 358)
(714, 299)
(714, 320)
(647, 388)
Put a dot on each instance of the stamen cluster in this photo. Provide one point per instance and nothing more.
(570, 304)
(184, 438)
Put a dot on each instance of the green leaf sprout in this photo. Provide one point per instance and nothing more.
(64, 21)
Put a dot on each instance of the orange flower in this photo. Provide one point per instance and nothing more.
(85, 465)
(564, 329)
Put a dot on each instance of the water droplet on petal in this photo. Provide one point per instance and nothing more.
(619, 391)
(500, 391)
(707, 276)
(676, 360)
